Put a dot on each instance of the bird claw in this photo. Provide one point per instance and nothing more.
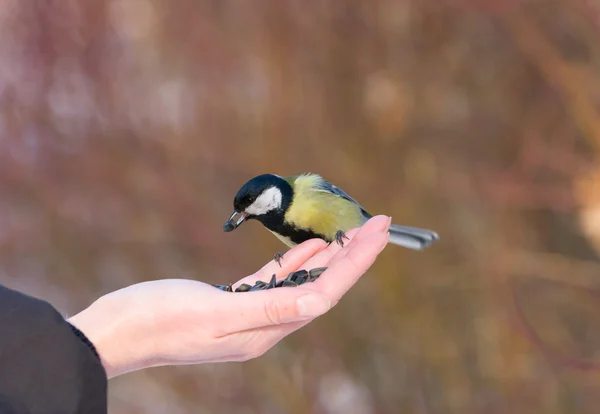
(340, 236)
(278, 256)
(292, 280)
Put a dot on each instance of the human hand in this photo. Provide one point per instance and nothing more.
(177, 322)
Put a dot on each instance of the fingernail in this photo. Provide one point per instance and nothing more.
(312, 305)
(390, 222)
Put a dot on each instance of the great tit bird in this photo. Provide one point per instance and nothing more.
(302, 207)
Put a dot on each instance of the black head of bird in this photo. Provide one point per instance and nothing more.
(264, 198)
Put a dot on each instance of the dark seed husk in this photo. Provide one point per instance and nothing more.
(244, 287)
(300, 274)
(292, 280)
(224, 288)
(315, 273)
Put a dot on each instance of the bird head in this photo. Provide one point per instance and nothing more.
(264, 197)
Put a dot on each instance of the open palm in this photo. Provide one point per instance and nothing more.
(175, 321)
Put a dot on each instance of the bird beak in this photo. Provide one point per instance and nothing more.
(234, 221)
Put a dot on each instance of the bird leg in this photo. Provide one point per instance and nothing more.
(340, 236)
(278, 256)
(292, 280)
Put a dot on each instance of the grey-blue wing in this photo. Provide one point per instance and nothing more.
(333, 189)
(409, 237)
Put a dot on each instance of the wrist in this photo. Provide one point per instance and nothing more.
(116, 333)
(84, 339)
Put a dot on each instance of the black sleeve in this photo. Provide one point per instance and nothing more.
(47, 366)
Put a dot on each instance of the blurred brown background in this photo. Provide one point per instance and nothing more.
(126, 127)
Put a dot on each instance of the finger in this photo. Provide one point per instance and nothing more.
(323, 258)
(328, 251)
(264, 308)
(281, 314)
(343, 273)
(273, 314)
(293, 263)
(294, 258)
(282, 306)
(251, 310)
(376, 224)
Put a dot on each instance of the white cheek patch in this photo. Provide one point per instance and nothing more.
(269, 200)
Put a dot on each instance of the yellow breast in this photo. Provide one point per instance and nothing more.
(322, 212)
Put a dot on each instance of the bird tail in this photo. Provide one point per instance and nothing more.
(411, 237)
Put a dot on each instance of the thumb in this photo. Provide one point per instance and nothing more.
(258, 309)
